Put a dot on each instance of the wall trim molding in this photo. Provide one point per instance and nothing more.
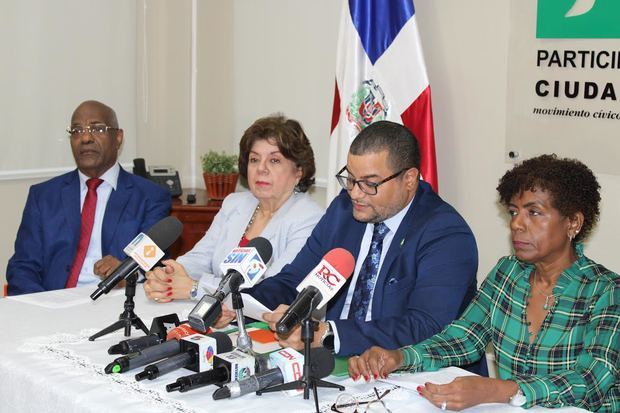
(19, 174)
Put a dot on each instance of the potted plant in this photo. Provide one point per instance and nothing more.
(220, 174)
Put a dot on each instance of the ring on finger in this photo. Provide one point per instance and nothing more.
(156, 298)
(444, 405)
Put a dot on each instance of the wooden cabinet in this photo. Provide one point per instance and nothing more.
(196, 219)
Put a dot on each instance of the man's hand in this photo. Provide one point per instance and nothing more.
(293, 338)
(225, 318)
(167, 283)
(106, 266)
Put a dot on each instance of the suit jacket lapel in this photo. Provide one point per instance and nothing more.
(114, 209)
(70, 195)
(399, 241)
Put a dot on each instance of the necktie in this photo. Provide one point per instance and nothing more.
(86, 228)
(368, 274)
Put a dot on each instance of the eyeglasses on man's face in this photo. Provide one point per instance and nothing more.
(365, 186)
(347, 403)
(95, 130)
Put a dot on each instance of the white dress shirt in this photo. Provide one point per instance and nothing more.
(110, 179)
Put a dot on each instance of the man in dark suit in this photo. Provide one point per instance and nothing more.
(75, 226)
(416, 258)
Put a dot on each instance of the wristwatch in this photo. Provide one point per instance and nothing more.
(327, 339)
(518, 399)
(193, 293)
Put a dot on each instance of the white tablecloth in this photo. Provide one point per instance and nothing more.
(47, 364)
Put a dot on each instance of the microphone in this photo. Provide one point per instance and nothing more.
(133, 345)
(242, 264)
(196, 354)
(318, 288)
(288, 367)
(246, 265)
(233, 365)
(151, 354)
(145, 250)
(160, 327)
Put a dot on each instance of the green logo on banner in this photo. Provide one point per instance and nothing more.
(578, 19)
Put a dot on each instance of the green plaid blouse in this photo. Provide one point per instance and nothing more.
(574, 359)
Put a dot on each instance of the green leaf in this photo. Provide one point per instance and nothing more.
(219, 163)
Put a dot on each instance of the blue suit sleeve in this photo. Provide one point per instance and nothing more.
(157, 209)
(25, 268)
(281, 288)
(437, 280)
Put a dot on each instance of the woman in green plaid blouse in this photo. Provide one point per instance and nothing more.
(551, 314)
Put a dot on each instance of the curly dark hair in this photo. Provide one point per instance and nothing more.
(571, 185)
(291, 140)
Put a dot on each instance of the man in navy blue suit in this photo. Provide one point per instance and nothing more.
(421, 272)
(122, 206)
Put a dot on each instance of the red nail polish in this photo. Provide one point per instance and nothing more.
(169, 288)
(367, 378)
(169, 280)
(376, 376)
(169, 294)
(419, 389)
(357, 376)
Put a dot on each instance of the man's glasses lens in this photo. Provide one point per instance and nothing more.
(94, 129)
(367, 187)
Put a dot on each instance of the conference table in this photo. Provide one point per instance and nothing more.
(47, 364)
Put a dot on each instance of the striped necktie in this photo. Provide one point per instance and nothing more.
(86, 228)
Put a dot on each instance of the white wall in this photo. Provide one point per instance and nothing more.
(261, 56)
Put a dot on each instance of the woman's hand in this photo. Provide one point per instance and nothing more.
(375, 362)
(467, 391)
(167, 283)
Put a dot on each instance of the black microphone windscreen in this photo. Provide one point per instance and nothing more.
(263, 247)
(322, 362)
(224, 343)
(165, 232)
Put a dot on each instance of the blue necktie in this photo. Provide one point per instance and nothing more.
(368, 275)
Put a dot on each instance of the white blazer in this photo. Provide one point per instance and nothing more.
(287, 232)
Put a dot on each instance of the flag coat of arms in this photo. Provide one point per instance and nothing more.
(380, 75)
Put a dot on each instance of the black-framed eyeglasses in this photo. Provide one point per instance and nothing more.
(75, 131)
(347, 403)
(365, 186)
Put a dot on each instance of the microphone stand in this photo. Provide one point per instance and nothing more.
(244, 341)
(127, 318)
(308, 381)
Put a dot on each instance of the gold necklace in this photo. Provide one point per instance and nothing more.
(541, 292)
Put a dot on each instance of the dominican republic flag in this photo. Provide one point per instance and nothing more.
(380, 75)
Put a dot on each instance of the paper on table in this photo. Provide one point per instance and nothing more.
(251, 306)
(72, 297)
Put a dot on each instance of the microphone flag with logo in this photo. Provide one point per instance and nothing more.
(320, 286)
(144, 251)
